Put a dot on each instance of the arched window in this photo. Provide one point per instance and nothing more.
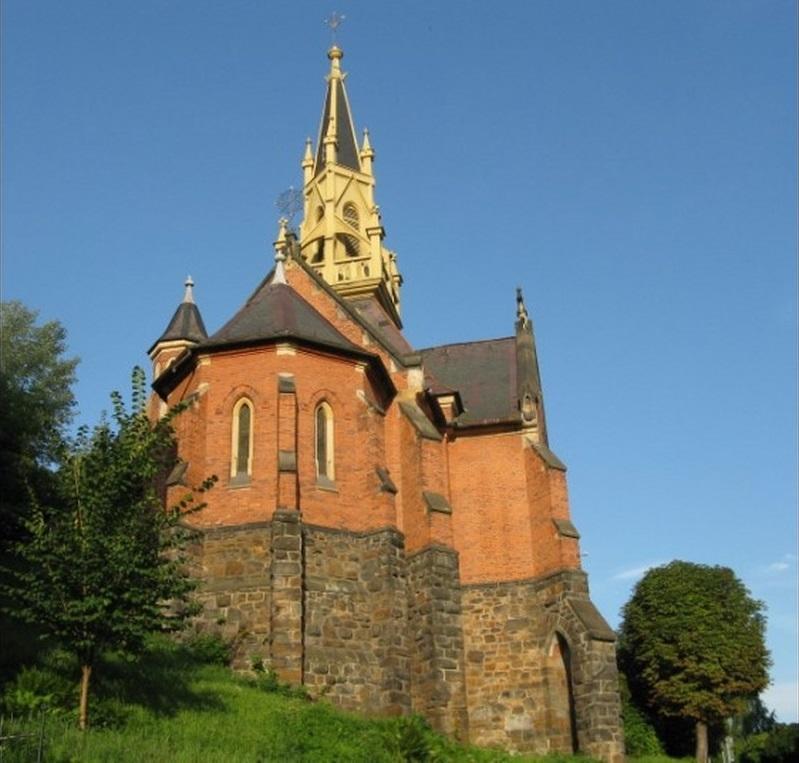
(352, 247)
(241, 442)
(350, 215)
(325, 462)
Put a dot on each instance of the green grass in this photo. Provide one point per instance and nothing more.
(167, 706)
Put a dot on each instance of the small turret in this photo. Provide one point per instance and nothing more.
(281, 245)
(185, 329)
(307, 162)
(367, 153)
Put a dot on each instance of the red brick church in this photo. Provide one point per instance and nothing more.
(390, 527)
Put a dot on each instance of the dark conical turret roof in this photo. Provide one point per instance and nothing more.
(187, 323)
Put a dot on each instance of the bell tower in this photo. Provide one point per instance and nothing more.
(341, 234)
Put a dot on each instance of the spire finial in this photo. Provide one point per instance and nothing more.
(335, 54)
(333, 22)
(522, 316)
(280, 251)
(188, 295)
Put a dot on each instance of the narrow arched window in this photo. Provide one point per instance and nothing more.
(325, 464)
(241, 441)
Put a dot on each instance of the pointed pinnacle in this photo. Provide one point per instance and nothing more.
(280, 251)
(188, 295)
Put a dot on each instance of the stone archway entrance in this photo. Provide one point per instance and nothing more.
(562, 716)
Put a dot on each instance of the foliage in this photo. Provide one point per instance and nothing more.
(640, 737)
(692, 642)
(36, 405)
(208, 648)
(267, 680)
(101, 562)
(755, 720)
(35, 383)
(36, 689)
(780, 744)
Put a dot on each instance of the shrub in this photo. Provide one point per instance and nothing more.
(640, 737)
(779, 745)
(37, 689)
(209, 648)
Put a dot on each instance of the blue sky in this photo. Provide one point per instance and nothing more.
(631, 165)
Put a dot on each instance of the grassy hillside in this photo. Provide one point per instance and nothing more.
(174, 705)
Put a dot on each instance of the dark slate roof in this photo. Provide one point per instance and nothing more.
(483, 372)
(276, 311)
(372, 312)
(186, 323)
(349, 308)
(347, 147)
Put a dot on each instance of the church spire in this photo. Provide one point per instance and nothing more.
(337, 144)
(341, 234)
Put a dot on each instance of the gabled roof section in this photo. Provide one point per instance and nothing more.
(483, 372)
(276, 311)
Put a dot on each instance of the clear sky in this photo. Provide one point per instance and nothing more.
(632, 165)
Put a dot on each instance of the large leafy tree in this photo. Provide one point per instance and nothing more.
(105, 563)
(692, 645)
(36, 405)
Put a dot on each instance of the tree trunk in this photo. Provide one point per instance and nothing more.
(83, 712)
(701, 742)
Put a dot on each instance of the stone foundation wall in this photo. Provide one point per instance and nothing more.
(355, 607)
(524, 665)
(233, 565)
(540, 668)
(438, 691)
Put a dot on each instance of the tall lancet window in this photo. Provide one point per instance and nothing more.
(325, 466)
(241, 442)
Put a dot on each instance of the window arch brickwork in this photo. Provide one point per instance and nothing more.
(241, 441)
(324, 443)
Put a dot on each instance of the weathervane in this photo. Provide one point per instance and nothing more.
(289, 203)
(333, 22)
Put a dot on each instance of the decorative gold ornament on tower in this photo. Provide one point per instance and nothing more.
(341, 234)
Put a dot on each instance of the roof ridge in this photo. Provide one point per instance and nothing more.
(459, 344)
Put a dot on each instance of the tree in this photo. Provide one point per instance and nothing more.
(36, 405)
(106, 565)
(692, 645)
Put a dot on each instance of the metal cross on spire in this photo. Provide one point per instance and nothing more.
(289, 203)
(333, 22)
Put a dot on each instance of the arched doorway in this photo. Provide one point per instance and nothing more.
(562, 716)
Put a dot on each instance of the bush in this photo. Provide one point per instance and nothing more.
(779, 745)
(640, 737)
(38, 689)
(209, 649)
(267, 680)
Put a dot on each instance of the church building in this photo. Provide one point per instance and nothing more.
(390, 527)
